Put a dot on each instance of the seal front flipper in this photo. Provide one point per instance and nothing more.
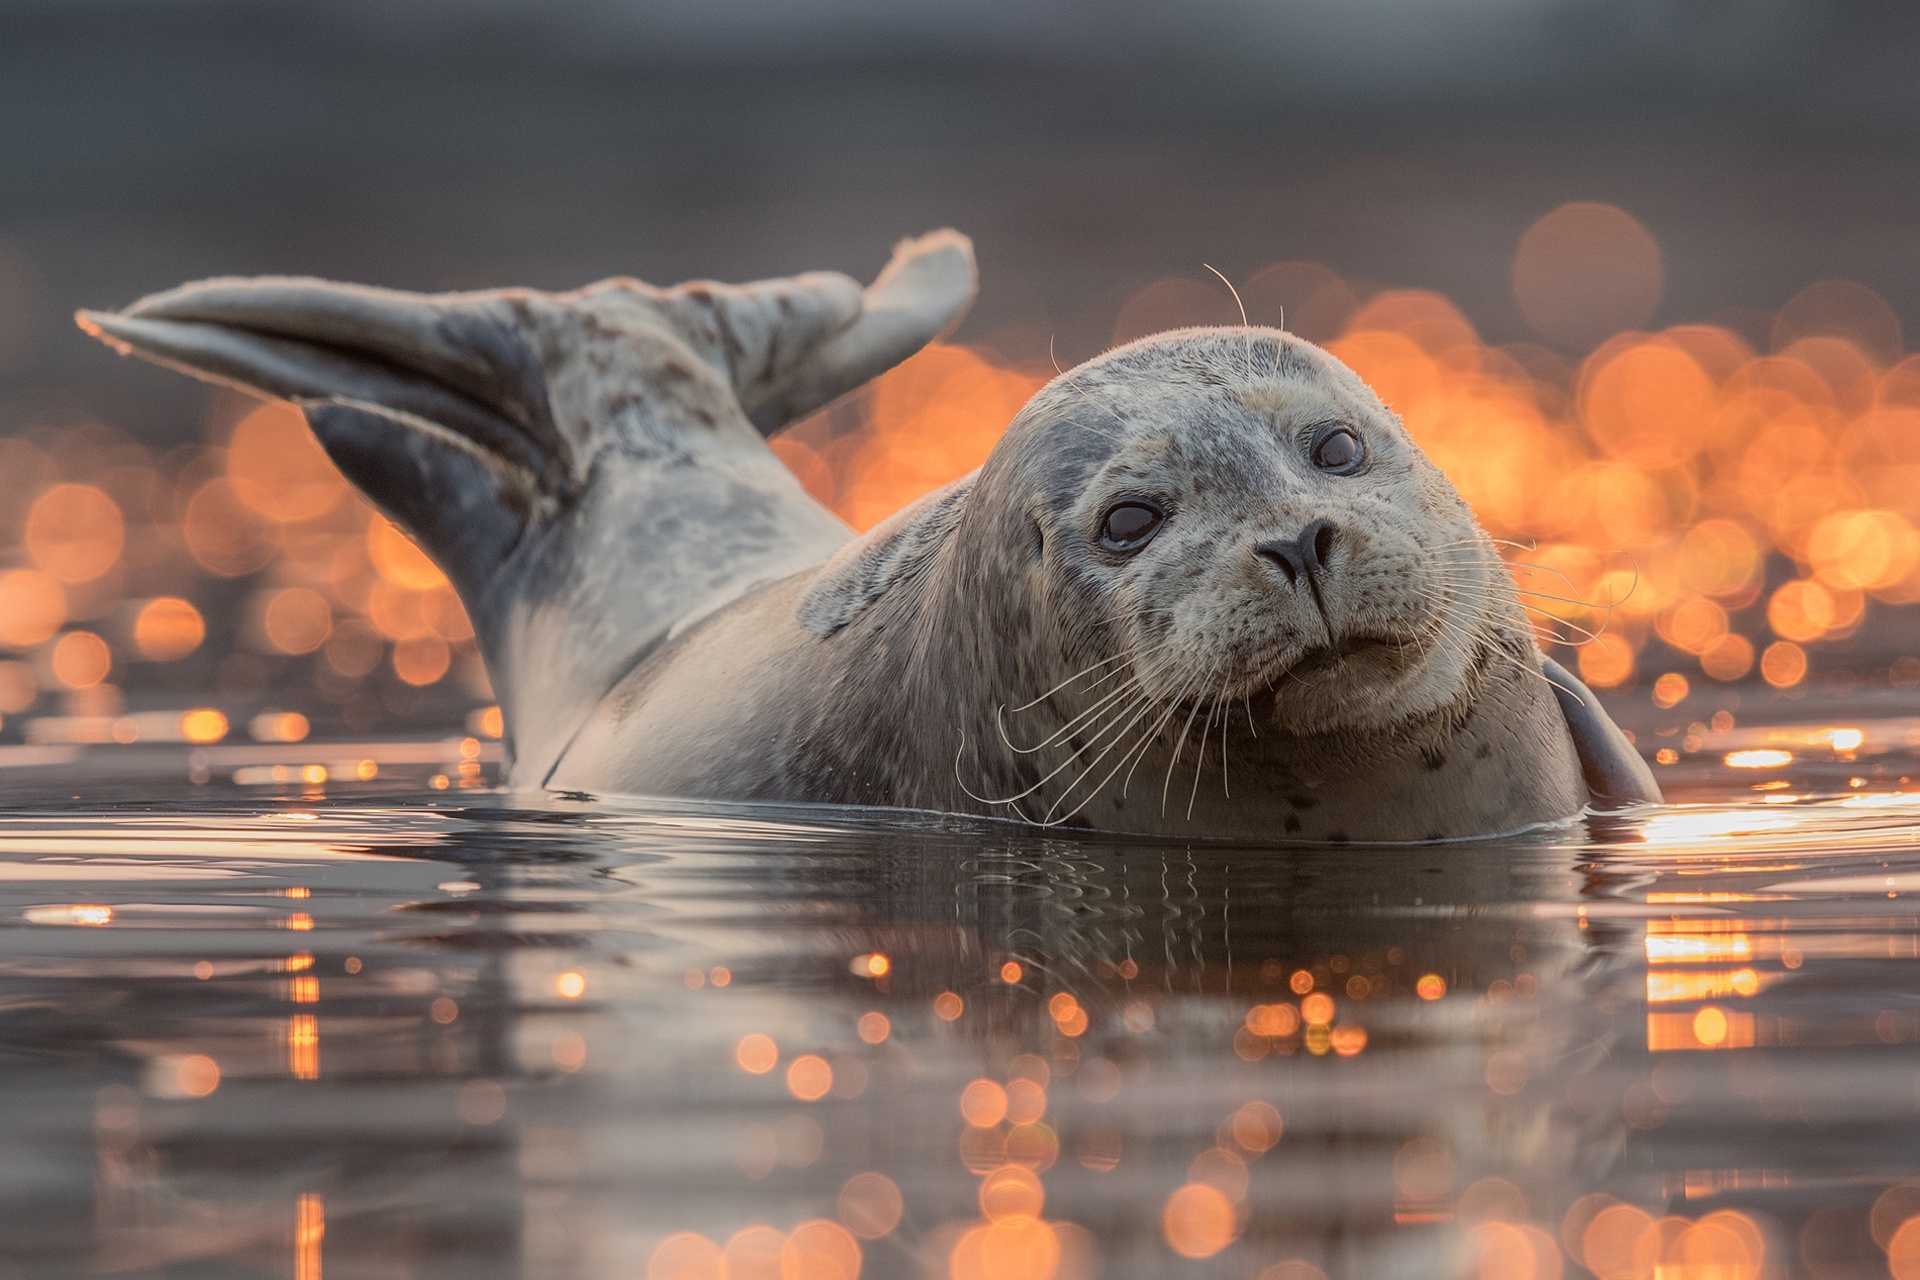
(1616, 774)
(582, 465)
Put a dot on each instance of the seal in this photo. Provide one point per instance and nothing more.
(1205, 584)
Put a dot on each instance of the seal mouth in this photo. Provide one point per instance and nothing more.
(1325, 657)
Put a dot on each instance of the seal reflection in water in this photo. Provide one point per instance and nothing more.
(1205, 584)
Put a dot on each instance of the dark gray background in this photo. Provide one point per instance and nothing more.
(1089, 147)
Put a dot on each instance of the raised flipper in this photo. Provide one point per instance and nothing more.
(1617, 775)
(589, 468)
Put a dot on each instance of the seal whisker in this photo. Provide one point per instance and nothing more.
(1200, 763)
(1118, 657)
(1141, 709)
(1129, 686)
(1226, 713)
(1453, 573)
(1537, 595)
(1246, 329)
(1494, 612)
(1136, 753)
(1482, 558)
(1147, 740)
(1166, 783)
(1057, 770)
(1524, 668)
(1093, 739)
(1026, 706)
(1068, 379)
(1187, 728)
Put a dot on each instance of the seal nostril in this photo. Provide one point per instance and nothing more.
(1283, 555)
(1316, 544)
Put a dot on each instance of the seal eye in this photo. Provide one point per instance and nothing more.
(1339, 450)
(1129, 526)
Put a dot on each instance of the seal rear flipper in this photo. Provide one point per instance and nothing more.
(452, 440)
(582, 465)
(919, 296)
(1617, 775)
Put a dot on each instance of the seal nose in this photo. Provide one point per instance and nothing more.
(1306, 555)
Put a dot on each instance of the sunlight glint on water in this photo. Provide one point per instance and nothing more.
(347, 1032)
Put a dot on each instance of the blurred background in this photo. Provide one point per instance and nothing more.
(1639, 275)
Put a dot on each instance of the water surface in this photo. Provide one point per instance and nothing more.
(387, 1030)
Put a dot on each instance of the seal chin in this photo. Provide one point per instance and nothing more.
(1356, 682)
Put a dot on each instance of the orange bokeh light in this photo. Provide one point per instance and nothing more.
(81, 660)
(168, 628)
(1026, 1250)
(820, 1250)
(422, 659)
(197, 1075)
(296, 620)
(1516, 1251)
(1648, 403)
(685, 1255)
(1174, 303)
(1199, 1221)
(757, 1054)
(1293, 1269)
(934, 417)
(399, 560)
(203, 725)
(32, 607)
(226, 536)
(1694, 625)
(1225, 1171)
(1728, 658)
(1034, 1145)
(19, 687)
(983, 1103)
(1784, 664)
(1011, 1194)
(75, 532)
(1606, 661)
(1273, 1020)
(753, 1253)
(1802, 611)
(1257, 1126)
(809, 1077)
(1845, 310)
(278, 469)
(1903, 1251)
(1026, 1101)
(1586, 270)
(870, 1205)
